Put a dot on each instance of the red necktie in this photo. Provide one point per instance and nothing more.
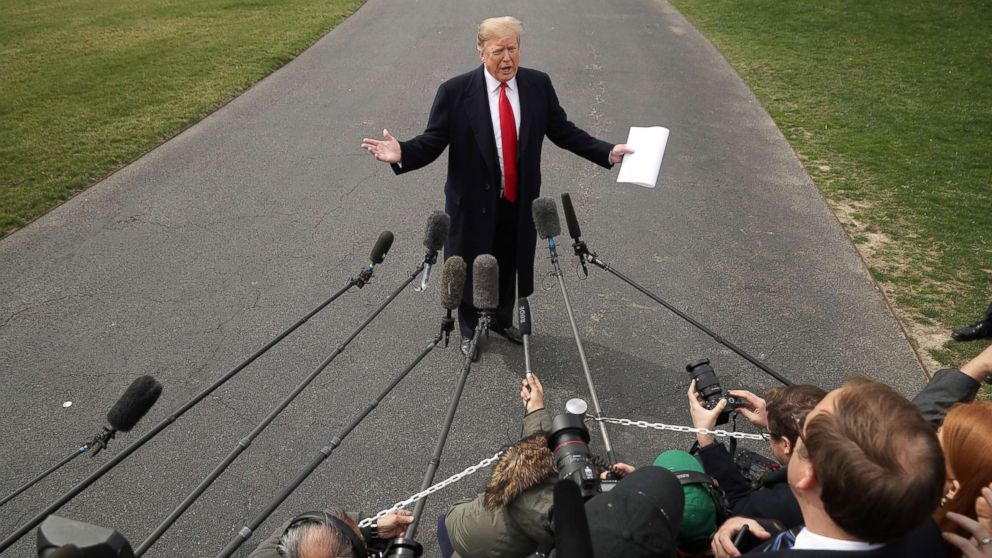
(508, 133)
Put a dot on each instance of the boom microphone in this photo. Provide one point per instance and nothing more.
(381, 248)
(438, 225)
(485, 282)
(452, 288)
(573, 223)
(134, 403)
(523, 321)
(546, 221)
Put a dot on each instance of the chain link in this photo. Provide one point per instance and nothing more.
(489, 461)
(676, 428)
(435, 488)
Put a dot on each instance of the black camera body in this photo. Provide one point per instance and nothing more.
(569, 444)
(708, 388)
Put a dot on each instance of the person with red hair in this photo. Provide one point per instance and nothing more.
(966, 438)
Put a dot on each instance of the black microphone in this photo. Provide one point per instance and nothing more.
(438, 225)
(137, 399)
(524, 325)
(572, 538)
(574, 231)
(451, 291)
(485, 284)
(378, 254)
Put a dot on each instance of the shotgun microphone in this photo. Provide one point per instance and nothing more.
(137, 399)
(574, 231)
(379, 251)
(438, 225)
(451, 291)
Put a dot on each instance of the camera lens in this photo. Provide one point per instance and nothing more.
(707, 383)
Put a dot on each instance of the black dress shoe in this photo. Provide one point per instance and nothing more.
(467, 346)
(978, 330)
(509, 333)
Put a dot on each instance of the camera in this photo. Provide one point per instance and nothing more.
(569, 444)
(708, 388)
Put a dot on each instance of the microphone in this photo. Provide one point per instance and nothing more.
(378, 254)
(438, 225)
(546, 221)
(137, 399)
(572, 537)
(485, 284)
(524, 325)
(574, 231)
(451, 291)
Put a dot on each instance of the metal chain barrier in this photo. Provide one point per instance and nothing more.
(434, 488)
(676, 428)
(489, 461)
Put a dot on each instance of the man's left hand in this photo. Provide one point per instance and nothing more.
(394, 524)
(618, 151)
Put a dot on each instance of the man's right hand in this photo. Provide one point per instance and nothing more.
(388, 150)
(723, 539)
(755, 411)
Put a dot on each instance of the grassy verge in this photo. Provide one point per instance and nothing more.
(89, 85)
(889, 107)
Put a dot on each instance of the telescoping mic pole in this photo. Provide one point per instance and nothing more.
(548, 227)
(585, 255)
(378, 253)
(453, 282)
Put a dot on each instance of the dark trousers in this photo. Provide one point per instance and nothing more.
(504, 249)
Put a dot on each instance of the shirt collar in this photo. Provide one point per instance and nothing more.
(492, 84)
(807, 539)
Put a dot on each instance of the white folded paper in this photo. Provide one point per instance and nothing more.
(643, 166)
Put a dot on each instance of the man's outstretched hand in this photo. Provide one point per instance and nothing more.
(618, 151)
(388, 149)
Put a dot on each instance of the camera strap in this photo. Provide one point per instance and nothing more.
(712, 488)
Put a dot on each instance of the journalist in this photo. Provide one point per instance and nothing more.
(331, 533)
(777, 416)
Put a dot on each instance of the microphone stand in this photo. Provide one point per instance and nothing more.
(245, 532)
(247, 440)
(582, 251)
(553, 250)
(432, 466)
(364, 277)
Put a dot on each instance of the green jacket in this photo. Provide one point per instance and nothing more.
(523, 488)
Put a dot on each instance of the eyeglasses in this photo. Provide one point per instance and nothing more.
(769, 435)
(499, 52)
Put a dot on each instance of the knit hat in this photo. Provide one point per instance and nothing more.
(699, 516)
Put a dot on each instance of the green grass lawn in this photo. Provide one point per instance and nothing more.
(88, 85)
(889, 107)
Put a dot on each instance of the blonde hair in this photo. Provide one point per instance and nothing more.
(499, 27)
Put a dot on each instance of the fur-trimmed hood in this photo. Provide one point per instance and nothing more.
(522, 466)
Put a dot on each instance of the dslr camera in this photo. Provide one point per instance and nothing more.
(569, 444)
(709, 390)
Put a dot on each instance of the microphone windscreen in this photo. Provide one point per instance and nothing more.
(134, 403)
(572, 536)
(381, 247)
(452, 288)
(546, 217)
(436, 234)
(523, 316)
(573, 223)
(485, 283)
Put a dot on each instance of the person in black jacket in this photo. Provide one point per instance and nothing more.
(777, 415)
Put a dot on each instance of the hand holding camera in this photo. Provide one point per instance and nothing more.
(751, 407)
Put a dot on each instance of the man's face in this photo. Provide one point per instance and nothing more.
(501, 57)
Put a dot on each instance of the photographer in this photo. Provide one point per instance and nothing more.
(331, 533)
(779, 416)
(507, 519)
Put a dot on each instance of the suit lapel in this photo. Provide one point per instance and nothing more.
(524, 93)
(477, 99)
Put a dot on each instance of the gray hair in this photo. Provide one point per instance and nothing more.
(497, 28)
(321, 540)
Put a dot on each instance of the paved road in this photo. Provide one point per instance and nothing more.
(185, 262)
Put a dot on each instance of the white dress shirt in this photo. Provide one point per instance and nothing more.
(808, 540)
(492, 87)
